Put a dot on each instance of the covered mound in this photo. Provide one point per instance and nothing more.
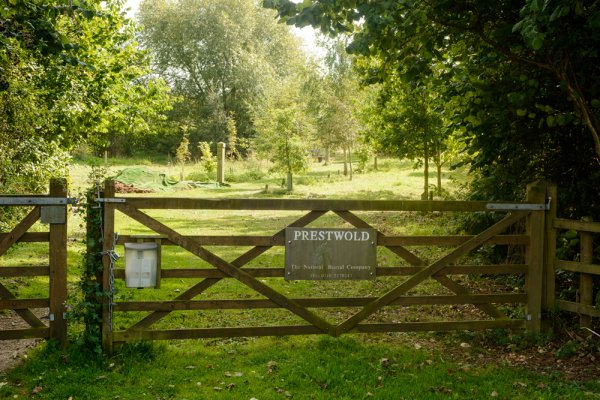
(142, 180)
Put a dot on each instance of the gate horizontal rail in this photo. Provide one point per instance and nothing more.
(312, 204)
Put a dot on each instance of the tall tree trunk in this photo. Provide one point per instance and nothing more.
(425, 195)
(438, 165)
(327, 154)
(345, 162)
(350, 159)
(439, 179)
(375, 162)
(290, 185)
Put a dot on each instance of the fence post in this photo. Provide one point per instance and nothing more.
(536, 193)
(108, 224)
(58, 268)
(549, 299)
(586, 283)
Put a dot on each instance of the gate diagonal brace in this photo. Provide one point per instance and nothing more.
(357, 222)
(432, 269)
(27, 315)
(417, 261)
(239, 262)
(19, 230)
(228, 269)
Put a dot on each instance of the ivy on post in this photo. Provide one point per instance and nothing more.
(91, 284)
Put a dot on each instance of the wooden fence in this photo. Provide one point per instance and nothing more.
(531, 215)
(49, 209)
(585, 304)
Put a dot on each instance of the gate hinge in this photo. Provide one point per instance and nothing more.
(529, 317)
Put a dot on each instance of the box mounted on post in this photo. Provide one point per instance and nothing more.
(142, 265)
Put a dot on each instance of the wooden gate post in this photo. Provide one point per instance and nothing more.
(586, 282)
(58, 268)
(108, 224)
(549, 299)
(536, 193)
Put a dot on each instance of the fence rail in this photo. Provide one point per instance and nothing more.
(584, 305)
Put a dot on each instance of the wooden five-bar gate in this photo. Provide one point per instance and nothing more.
(51, 210)
(531, 227)
(529, 216)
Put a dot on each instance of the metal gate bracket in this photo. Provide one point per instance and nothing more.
(109, 200)
(517, 207)
(37, 201)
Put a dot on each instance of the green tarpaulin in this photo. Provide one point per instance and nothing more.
(142, 178)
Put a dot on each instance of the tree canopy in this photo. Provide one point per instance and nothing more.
(71, 73)
(220, 56)
(519, 79)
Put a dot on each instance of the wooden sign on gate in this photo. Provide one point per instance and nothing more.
(330, 254)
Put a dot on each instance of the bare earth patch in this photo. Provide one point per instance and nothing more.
(12, 352)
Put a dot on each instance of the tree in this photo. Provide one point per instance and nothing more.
(67, 69)
(334, 102)
(284, 130)
(411, 126)
(220, 56)
(232, 150)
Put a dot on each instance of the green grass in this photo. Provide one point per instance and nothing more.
(386, 366)
(278, 368)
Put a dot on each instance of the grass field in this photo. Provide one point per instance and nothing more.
(385, 366)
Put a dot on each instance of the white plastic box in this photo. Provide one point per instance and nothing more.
(141, 262)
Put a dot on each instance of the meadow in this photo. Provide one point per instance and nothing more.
(379, 366)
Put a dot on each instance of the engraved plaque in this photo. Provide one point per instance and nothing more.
(330, 254)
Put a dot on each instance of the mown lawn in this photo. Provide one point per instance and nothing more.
(386, 366)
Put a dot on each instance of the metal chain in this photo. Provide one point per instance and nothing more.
(113, 257)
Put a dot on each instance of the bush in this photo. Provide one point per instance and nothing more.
(199, 176)
(246, 176)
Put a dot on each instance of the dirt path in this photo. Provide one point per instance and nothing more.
(12, 352)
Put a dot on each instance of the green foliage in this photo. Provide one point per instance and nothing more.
(89, 308)
(220, 57)
(284, 130)
(518, 81)
(207, 160)
(183, 155)
(232, 139)
(70, 72)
